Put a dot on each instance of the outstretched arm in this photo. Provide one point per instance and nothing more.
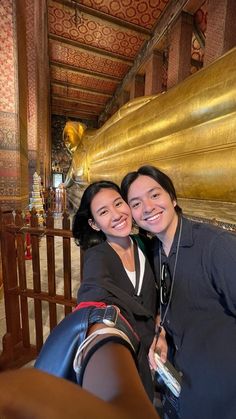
(32, 394)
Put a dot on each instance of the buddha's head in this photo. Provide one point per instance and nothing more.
(72, 135)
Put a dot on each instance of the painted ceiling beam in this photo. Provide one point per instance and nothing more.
(104, 16)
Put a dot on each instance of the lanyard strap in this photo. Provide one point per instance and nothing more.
(137, 267)
(163, 315)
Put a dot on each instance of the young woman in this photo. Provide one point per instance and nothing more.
(116, 271)
(196, 265)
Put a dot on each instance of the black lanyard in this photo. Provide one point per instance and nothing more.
(137, 268)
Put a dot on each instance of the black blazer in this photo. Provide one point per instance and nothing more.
(105, 280)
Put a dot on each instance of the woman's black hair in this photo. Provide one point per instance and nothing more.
(85, 236)
(156, 174)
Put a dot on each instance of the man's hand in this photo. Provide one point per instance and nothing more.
(158, 345)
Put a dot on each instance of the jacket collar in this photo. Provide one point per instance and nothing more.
(186, 235)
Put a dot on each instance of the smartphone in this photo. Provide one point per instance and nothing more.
(169, 375)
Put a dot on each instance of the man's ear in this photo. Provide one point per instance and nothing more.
(93, 224)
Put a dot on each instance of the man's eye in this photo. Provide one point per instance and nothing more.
(135, 205)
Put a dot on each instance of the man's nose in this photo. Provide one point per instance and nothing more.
(148, 205)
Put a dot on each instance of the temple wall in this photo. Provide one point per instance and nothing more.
(10, 155)
(24, 104)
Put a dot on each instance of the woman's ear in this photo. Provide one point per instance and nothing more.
(174, 203)
(93, 224)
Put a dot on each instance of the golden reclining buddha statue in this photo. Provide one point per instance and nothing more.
(189, 132)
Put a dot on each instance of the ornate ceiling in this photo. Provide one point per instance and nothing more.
(95, 45)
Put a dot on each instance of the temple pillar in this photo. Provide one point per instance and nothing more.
(43, 91)
(137, 86)
(123, 98)
(221, 29)
(13, 107)
(32, 91)
(179, 63)
(153, 74)
(24, 105)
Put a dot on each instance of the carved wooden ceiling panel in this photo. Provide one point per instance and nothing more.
(88, 61)
(143, 13)
(94, 32)
(94, 45)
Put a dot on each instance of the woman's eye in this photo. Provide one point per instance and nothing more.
(103, 212)
(119, 203)
(155, 195)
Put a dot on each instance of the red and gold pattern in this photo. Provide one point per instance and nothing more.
(91, 41)
(83, 80)
(94, 32)
(143, 13)
(87, 61)
(9, 148)
(7, 73)
(31, 73)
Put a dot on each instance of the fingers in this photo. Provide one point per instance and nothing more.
(158, 345)
(151, 352)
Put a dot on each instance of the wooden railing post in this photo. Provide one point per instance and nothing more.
(67, 261)
(10, 286)
(51, 271)
(36, 281)
(20, 241)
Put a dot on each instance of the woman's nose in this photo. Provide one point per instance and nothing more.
(116, 214)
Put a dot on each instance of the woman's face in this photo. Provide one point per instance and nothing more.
(111, 214)
(152, 207)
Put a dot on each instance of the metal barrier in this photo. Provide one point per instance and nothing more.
(18, 348)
